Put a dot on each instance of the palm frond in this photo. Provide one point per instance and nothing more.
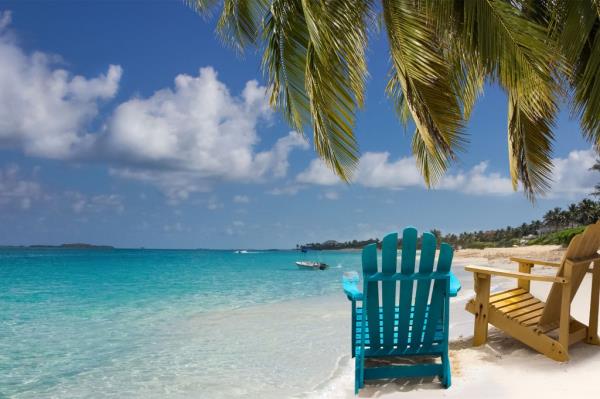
(467, 76)
(335, 76)
(577, 29)
(203, 7)
(432, 165)
(515, 51)
(315, 59)
(284, 61)
(529, 148)
(394, 91)
(240, 22)
(424, 76)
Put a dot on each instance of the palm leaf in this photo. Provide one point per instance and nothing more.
(241, 20)
(514, 50)
(317, 71)
(577, 29)
(424, 77)
(432, 165)
(203, 7)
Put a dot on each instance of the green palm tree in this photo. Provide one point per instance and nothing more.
(572, 215)
(441, 54)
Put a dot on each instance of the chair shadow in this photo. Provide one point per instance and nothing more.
(499, 347)
(376, 388)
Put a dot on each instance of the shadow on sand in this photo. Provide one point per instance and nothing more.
(500, 349)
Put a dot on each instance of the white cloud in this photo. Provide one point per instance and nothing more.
(290, 189)
(571, 175)
(81, 203)
(374, 170)
(318, 173)
(195, 134)
(180, 139)
(15, 190)
(331, 195)
(176, 227)
(44, 110)
(476, 181)
(241, 199)
(214, 204)
(5, 19)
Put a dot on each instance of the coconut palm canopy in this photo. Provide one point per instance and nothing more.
(441, 54)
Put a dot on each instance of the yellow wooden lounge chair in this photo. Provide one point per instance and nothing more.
(531, 321)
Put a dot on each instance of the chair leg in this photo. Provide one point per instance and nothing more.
(482, 288)
(353, 329)
(359, 373)
(447, 377)
(356, 378)
(592, 337)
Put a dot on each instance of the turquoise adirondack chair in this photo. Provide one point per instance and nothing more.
(407, 321)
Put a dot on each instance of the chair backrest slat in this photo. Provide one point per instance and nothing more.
(389, 255)
(369, 263)
(407, 266)
(582, 246)
(438, 295)
(428, 247)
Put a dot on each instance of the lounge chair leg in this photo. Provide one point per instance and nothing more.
(353, 329)
(592, 337)
(356, 376)
(482, 287)
(359, 373)
(446, 378)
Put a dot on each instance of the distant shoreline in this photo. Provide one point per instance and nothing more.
(60, 246)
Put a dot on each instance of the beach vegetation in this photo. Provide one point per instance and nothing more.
(557, 227)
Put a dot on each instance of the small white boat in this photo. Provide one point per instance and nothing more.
(311, 265)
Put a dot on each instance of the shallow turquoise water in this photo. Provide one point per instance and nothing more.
(148, 323)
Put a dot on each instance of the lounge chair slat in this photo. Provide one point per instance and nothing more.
(389, 254)
(407, 266)
(506, 294)
(428, 247)
(513, 300)
(532, 322)
(439, 305)
(527, 312)
(369, 260)
(520, 305)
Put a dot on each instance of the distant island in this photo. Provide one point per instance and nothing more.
(557, 227)
(63, 246)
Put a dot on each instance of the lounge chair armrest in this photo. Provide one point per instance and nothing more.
(454, 285)
(523, 276)
(350, 284)
(535, 262)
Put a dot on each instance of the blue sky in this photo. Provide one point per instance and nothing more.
(131, 124)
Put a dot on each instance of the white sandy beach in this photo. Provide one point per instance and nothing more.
(503, 368)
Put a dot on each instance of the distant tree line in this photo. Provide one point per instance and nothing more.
(332, 244)
(578, 214)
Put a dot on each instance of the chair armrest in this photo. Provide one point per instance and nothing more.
(350, 284)
(505, 273)
(535, 262)
(454, 285)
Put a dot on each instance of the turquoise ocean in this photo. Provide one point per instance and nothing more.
(169, 323)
